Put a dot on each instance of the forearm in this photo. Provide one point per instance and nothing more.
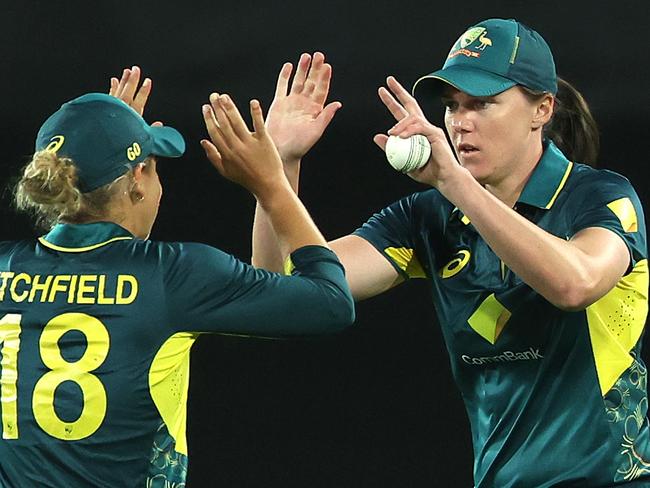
(266, 252)
(285, 217)
(558, 269)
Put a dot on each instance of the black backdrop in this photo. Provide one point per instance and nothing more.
(375, 406)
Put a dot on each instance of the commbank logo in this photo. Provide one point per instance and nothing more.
(506, 357)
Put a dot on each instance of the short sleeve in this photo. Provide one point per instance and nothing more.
(397, 231)
(607, 199)
(208, 290)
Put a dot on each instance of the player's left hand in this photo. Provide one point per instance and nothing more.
(410, 121)
(128, 90)
(298, 115)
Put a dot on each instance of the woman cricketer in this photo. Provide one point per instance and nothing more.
(97, 321)
(537, 262)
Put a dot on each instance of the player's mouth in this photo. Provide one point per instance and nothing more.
(465, 149)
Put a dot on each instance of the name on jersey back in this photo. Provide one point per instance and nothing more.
(87, 289)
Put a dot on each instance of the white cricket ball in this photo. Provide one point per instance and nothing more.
(408, 154)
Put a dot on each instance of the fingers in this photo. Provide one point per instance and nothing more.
(121, 83)
(258, 118)
(313, 77)
(140, 100)
(393, 106)
(323, 84)
(235, 120)
(131, 81)
(114, 86)
(380, 140)
(327, 114)
(214, 131)
(283, 80)
(301, 73)
(402, 94)
(126, 89)
(403, 126)
(213, 155)
(413, 124)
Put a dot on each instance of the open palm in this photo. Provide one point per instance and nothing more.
(298, 116)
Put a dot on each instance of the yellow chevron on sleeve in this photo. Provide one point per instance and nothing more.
(288, 266)
(624, 210)
(407, 261)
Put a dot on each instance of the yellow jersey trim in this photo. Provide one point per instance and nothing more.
(288, 267)
(81, 249)
(406, 260)
(616, 323)
(624, 211)
(560, 186)
(169, 379)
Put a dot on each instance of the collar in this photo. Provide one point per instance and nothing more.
(83, 237)
(548, 178)
(545, 183)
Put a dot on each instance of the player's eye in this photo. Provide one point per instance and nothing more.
(481, 104)
(450, 105)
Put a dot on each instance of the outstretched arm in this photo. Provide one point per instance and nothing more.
(571, 274)
(297, 119)
(251, 160)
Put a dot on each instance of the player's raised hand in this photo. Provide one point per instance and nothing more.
(247, 158)
(128, 90)
(298, 115)
(403, 107)
(410, 121)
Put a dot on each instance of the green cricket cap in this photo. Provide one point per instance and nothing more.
(104, 137)
(493, 56)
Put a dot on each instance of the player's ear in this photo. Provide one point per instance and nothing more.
(543, 111)
(137, 189)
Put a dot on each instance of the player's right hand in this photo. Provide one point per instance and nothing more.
(298, 115)
(247, 158)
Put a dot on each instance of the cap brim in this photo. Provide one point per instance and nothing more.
(474, 82)
(167, 142)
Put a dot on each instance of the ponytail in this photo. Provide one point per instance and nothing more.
(48, 189)
(573, 128)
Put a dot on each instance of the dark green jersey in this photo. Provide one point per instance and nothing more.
(553, 397)
(95, 333)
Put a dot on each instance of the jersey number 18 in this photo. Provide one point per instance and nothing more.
(79, 372)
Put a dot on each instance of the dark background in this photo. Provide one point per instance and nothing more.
(375, 406)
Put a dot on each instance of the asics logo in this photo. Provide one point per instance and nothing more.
(55, 144)
(453, 267)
